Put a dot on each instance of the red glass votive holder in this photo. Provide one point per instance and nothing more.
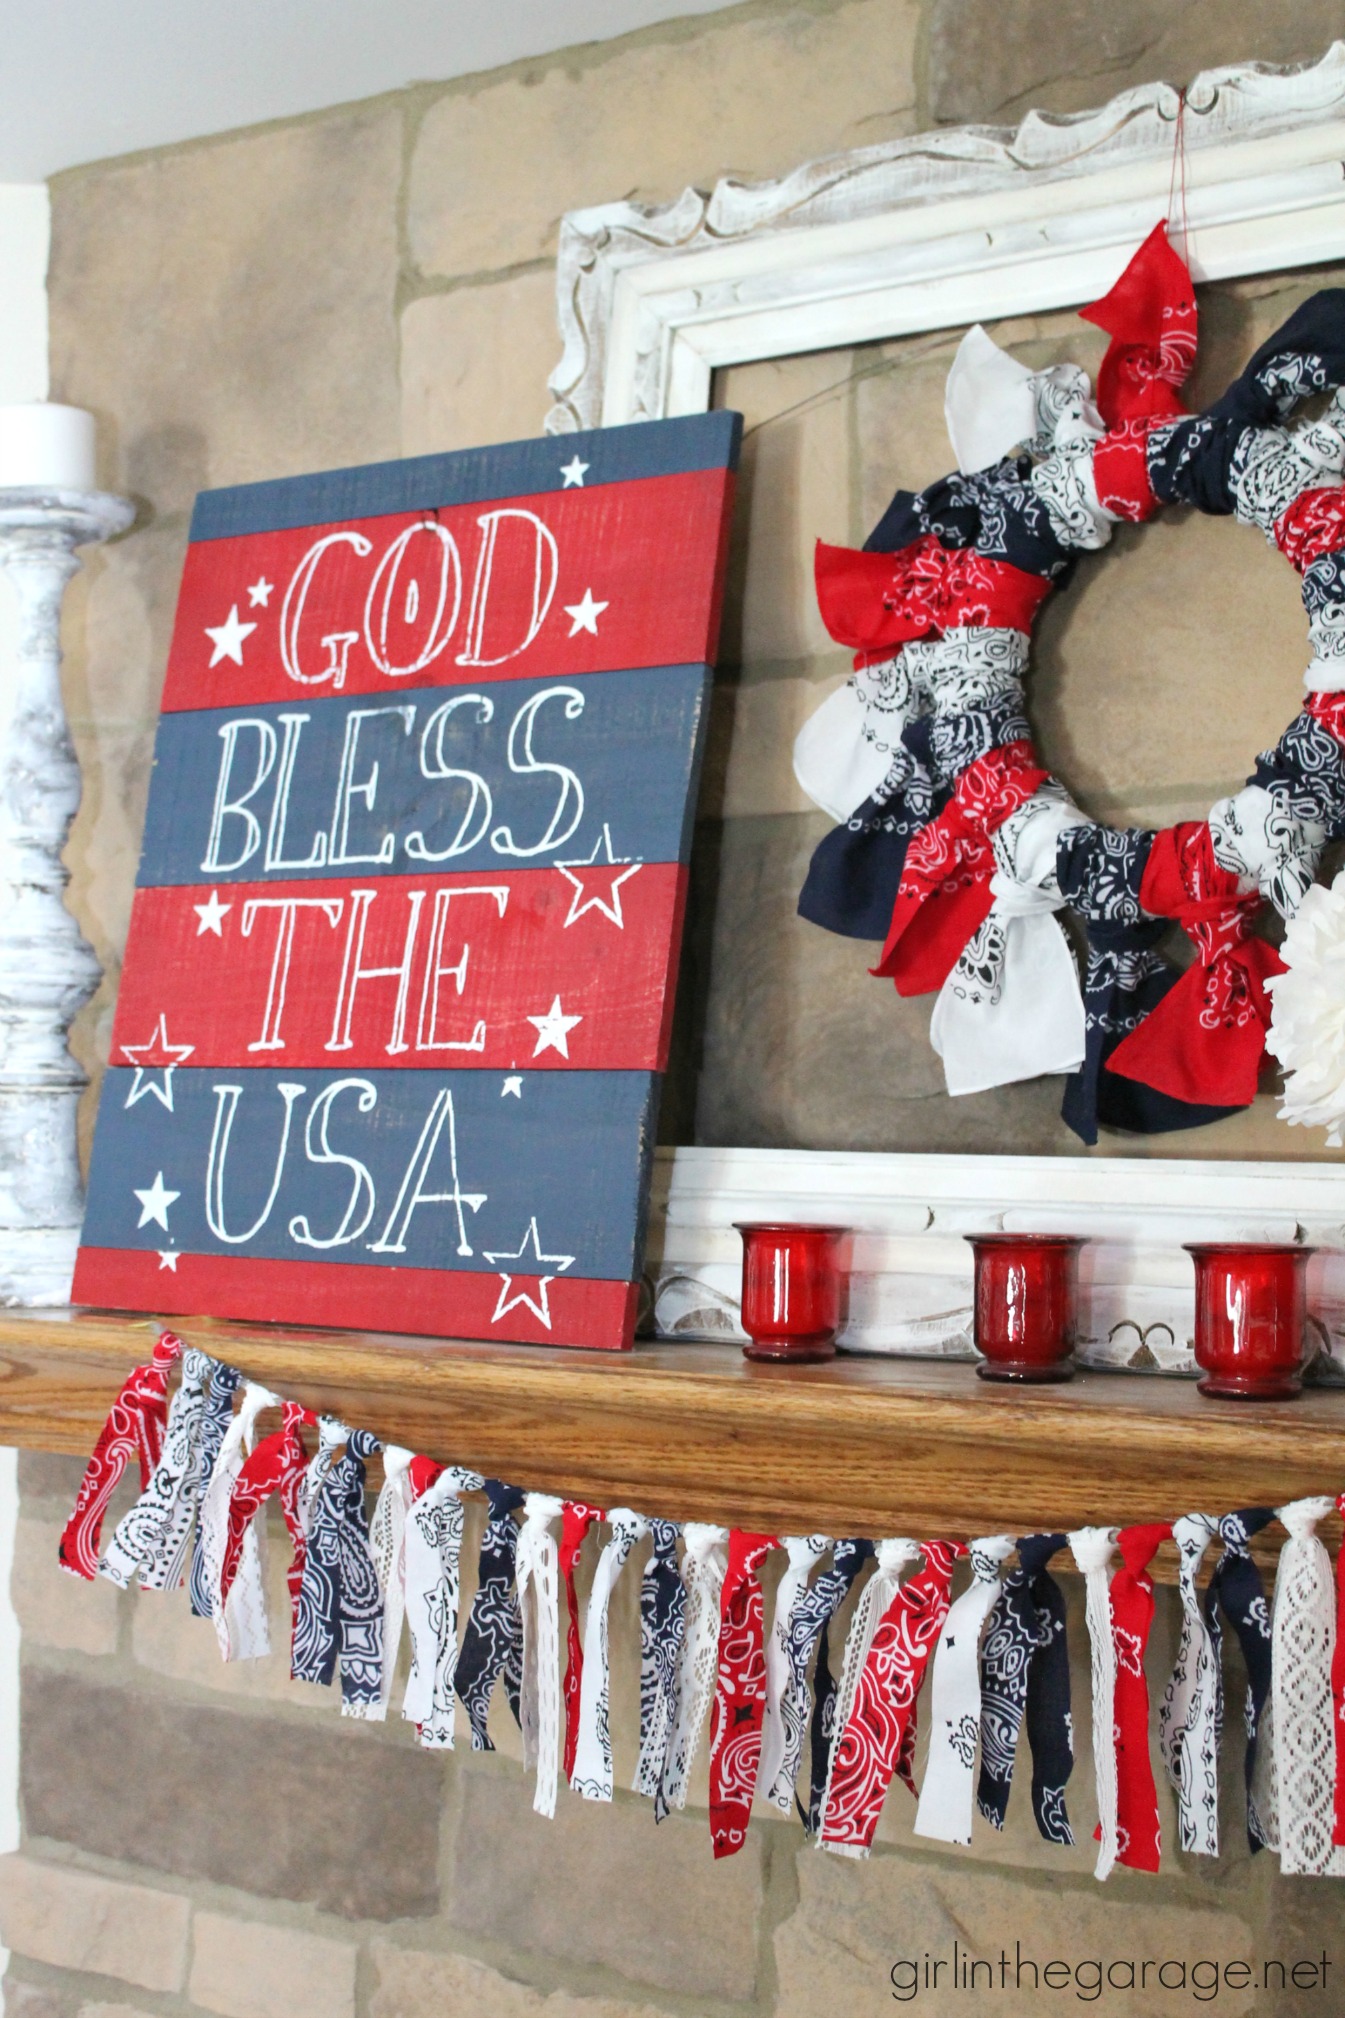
(1026, 1303)
(795, 1285)
(1251, 1312)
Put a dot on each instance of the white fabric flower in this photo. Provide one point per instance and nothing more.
(1307, 1025)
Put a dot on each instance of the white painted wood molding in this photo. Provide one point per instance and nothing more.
(941, 229)
(912, 1270)
(46, 970)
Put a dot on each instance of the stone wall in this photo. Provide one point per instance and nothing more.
(376, 281)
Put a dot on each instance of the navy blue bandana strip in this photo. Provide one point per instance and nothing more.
(492, 1645)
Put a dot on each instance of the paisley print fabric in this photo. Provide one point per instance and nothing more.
(740, 1693)
(828, 1592)
(1138, 1840)
(576, 1521)
(788, 1650)
(879, 1735)
(662, 1625)
(492, 1645)
(340, 1621)
(433, 1549)
(151, 1542)
(219, 1404)
(135, 1428)
(1237, 1594)
(1025, 1677)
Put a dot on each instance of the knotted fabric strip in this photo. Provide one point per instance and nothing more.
(1132, 1611)
(873, 601)
(240, 1612)
(948, 1797)
(1010, 1008)
(592, 1775)
(539, 1610)
(575, 1524)
(1305, 1732)
(387, 1544)
(1025, 1674)
(492, 1645)
(135, 1427)
(1092, 1552)
(340, 1605)
(879, 1736)
(1191, 1711)
(1150, 316)
(892, 1557)
(215, 1421)
(277, 1465)
(1206, 1040)
(740, 1692)
(1236, 1586)
(791, 1642)
(945, 895)
(151, 1541)
(825, 1598)
(704, 1564)
(663, 1601)
(433, 1545)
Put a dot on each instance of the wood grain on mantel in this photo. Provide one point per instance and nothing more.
(857, 1446)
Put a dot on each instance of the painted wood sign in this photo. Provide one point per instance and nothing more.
(398, 984)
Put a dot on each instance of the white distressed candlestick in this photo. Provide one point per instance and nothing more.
(47, 971)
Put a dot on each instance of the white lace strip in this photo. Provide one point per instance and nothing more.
(1092, 1552)
(1303, 1735)
(538, 1573)
(433, 1548)
(948, 1796)
(387, 1545)
(240, 1621)
(592, 1775)
(703, 1567)
(784, 1710)
(151, 1541)
(893, 1557)
(1189, 1716)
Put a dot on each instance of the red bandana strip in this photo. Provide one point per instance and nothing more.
(135, 1427)
(1313, 525)
(873, 602)
(1206, 1040)
(277, 1465)
(575, 1524)
(1132, 1610)
(945, 883)
(879, 1735)
(740, 1692)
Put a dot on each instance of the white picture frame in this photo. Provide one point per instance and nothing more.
(947, 228)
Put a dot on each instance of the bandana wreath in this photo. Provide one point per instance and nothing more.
(957, 848)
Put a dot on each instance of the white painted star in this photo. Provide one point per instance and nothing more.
(155, 1202)
(228, 637)
(168, 1257)
(553, 1030)
(605, 897)
(158, 1055)
(585, 614)
(212, 915)
(532, 1298)
(574, 473)
(513, 1084)
(531, 1243)
(259, 593)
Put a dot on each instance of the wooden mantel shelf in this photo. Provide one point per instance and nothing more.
(857, 1446)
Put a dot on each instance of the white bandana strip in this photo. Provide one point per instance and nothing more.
(703, 1566)
(538, 1571)
(240, 1622)
(786, 1678)
(1092, 1552)
(948, 1797)
(387, 1545)
(433, 1543)
(1188, 1719)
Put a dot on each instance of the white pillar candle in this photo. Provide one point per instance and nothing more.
(46, 447)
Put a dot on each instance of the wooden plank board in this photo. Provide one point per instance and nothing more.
(398, 985)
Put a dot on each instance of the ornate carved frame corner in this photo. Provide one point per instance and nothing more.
(935, 231)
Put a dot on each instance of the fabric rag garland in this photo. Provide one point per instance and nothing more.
(957, 849)
(994, 1651)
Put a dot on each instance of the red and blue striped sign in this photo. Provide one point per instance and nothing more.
(397, 991)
